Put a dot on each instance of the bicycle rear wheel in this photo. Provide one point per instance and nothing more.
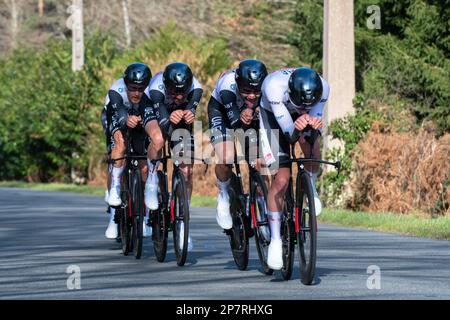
(180, 209)
(288, 234)
(237, 234)
(259, 217)
(160, 220)
(306, 228)
(138, 212)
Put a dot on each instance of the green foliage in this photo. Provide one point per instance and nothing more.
(50, 111)
(307, 33)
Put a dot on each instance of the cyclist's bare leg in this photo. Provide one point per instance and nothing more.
(224, 157)
(157, 140)
(144, 169)
(275, 196)
(312, 168)
(118, 151)
(187, 170)
(313, 153)
(153, 152)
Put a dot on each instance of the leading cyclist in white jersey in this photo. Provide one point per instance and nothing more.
(292, 102)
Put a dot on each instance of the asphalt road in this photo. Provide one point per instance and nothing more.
(45, 235)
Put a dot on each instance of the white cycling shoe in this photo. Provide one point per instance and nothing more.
(111, 231)
(107, 196)
(223, 215)
(151, 196)
(114, 196)
(275, 255)
(190, 244)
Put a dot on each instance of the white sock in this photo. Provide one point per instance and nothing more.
(112, 214)
(275, 225)
(152, 168)
(223, 185)
(116, 174)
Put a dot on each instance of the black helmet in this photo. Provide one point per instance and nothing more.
(178, 78)
(305, 87)
(250, 75)
(137, 74)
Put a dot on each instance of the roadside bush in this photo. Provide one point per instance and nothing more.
(402, 172)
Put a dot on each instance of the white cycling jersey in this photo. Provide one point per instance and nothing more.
(227, 82)
(275, 98)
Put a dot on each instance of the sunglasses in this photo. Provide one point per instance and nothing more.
(134, 88)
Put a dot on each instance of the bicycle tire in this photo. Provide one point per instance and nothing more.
(160, 220)
(262, 237)
(237, 234)
(181, 216)
(125, 221)
(288, 234)
(137, 213)
(306, 222)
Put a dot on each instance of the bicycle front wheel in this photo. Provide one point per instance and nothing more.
(237, 234)
(180, 211)
(125, 217)
(288, 233)
(306, 227)
(160, 220)
(259, 218)
(138, 213)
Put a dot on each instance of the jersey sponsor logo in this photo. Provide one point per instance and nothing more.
(274, 102)
(228, 105)
(280, 117)
(230, 114)
(148, 112)
(216, 122)
(161, 87)
(121, 90)
(233, 86)
(323, 100)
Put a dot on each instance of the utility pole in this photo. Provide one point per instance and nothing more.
(338, 62)
(14, 23)
(75, 23)
(126, 20)
(41, 8)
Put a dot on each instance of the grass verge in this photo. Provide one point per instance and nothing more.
(408, 224)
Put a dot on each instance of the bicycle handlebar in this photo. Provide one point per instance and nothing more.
(336, 164)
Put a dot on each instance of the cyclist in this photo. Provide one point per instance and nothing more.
(233, 103)
(175, 94)
(124, 107)
(292, 102)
